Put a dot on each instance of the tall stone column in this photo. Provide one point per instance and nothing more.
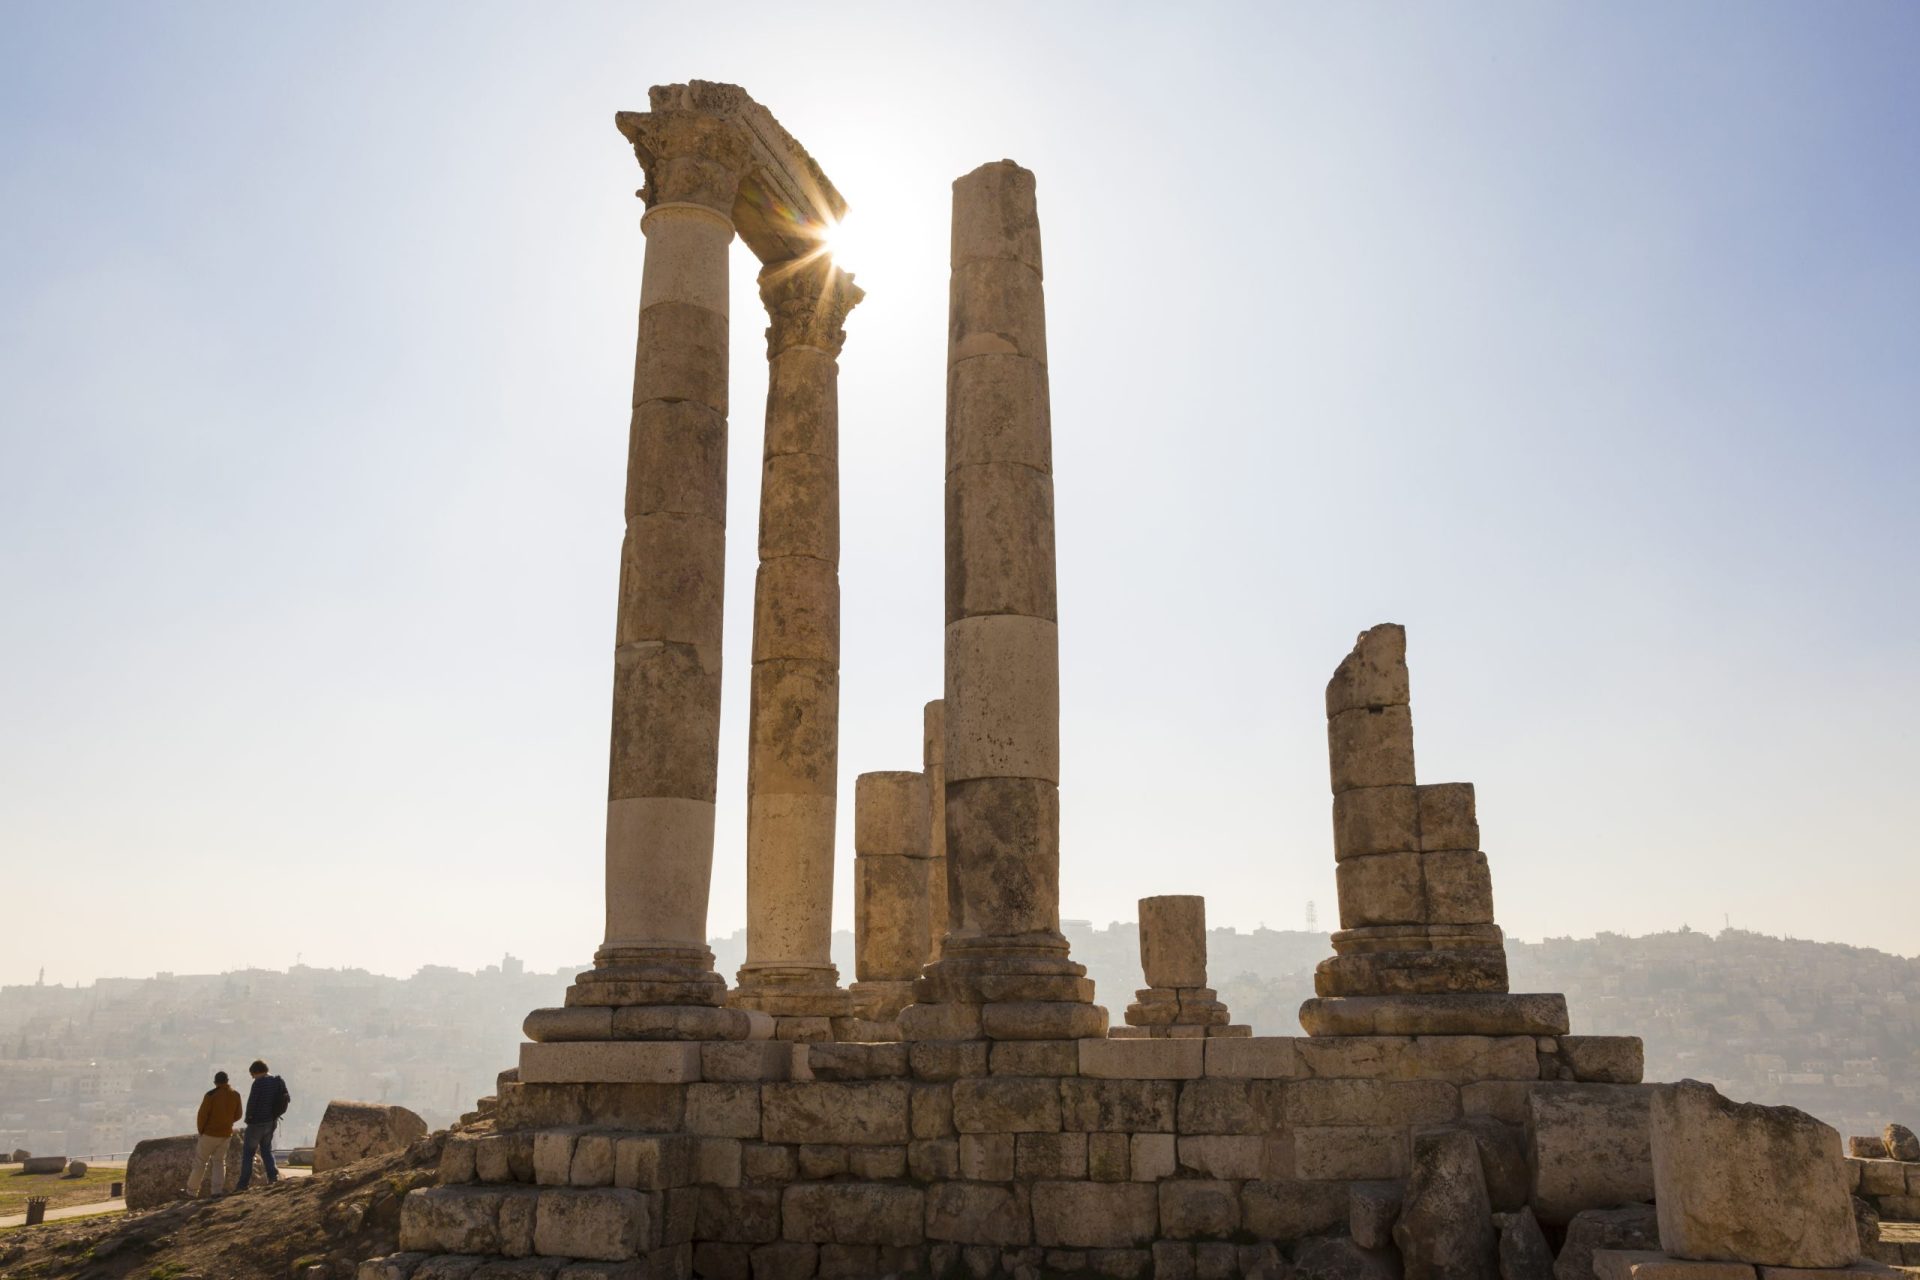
(653, 976)
(794, 720)
(933, 762)
(1004, 971)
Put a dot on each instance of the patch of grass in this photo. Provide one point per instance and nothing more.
(168, 1271)
(59, 1189)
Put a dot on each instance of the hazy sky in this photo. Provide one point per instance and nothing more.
(1584, 340)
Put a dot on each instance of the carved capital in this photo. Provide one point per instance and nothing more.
(690, 157)
(807, 302)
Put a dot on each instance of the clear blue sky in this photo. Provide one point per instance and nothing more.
(1584, 340)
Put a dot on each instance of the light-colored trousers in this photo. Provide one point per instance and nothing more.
(210, 1154)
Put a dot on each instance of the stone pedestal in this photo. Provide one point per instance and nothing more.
(1004, 971)
(1176, 1002)
(794, 719)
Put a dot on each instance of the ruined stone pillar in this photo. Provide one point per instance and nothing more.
(794, 719)
(1004, 971)
(933, 757)
(891, 832)
(1176, 1002)
(653, 976)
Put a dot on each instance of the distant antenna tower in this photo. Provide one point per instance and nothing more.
(1313, 917)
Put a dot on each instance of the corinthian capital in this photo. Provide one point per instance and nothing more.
(807, 302)
(690, 157)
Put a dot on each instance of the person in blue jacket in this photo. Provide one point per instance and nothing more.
(267, 1101)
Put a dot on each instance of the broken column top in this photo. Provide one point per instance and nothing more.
(1374, 674)
(785, 204)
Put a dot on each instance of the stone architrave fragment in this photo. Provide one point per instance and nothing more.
(1740, 1182)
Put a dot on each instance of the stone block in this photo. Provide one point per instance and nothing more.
(1006, 1104)
(1107, 1157)
(1199, 1209)
(1458, 887)
(451, 1220)
(995, 309)
(1221, 1155)
(1252, 1057)
(891, 923)
(979, 1213)
(1372, 1209)
(1049, 1155)
(1095, 1215)
(1173, 940)
(714, 1260)
(1862, 1270)
(740, 1061)
(1353, 1057)
(876, 1163)
(1371, 747)
(717, 1161)
(947, 1059)
(934, 1159)
(1632, 1227)
(1152, 1156)
(723, 1110)
(999, 542)
(1882, 1178)
(351, 1131)
(553, 1156)
(829, 1111)
(855, 1061)
(519, 1217)
(457, 1162)
(1381, 1102)
(1464, 1059)
(821, 1160)
(1035, 1058)
(1348, 1153)
(1590, 1147)
(1375, 820)
(931, 1113)
(1603, 1059)
(610, 1062)
(1740, 1182)
(1447, 818)
(1901, 1143)
(784, 1260)
(1042, 1019)
(1445, 1228)
(1641, 1264)
(1284, 1209)
(854, 1213)
(1524, 1253)
(593, 1161)
(768, 1162)
(1142, 1059)
(986, 1157)
(1503, 1159)
(1500, 1099)
(1373, 674)
(1484, 1013)
(652, 1162)
(735, 1215)
(1380, 889)
(1221, 1104)
(1870, 1147)
(1003, 702)
(891, 814)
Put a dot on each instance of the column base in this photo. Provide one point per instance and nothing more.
(1020, 987)
(647, 993)
(791, 991)
(646, 1022)
(1231, 1029)
(1392, 973)
(1463, 1014)
(881, 1001)
(1164, 1007)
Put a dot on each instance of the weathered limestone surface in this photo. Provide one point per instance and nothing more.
(1740, 1182)
(158, 1168)
(1524, 1254)
(891, 899)
(1004, 970)
(1589, 1147)
(1445, 1229)
(933, 758)
(1900, 1143)
(1177, 1002)
(352, 1131)
(1630, 1227)
(794, 716)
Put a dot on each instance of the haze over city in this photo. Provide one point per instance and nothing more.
(316, 341)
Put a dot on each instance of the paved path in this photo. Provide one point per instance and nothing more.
(116, 1206)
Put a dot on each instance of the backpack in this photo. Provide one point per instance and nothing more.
(283, 1101)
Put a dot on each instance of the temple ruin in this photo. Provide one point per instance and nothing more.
(964, 1108)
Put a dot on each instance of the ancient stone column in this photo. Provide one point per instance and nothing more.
(653, 976)
(933, 757)
(1004, 971)
(891, 832)
(1176, 1002)
(794, 719)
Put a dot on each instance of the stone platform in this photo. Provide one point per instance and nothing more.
(1117, 1157)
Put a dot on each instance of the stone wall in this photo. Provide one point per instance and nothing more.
(1116, 1157)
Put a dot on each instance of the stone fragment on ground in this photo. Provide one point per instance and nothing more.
(1524, 1254)
(1445, 1230)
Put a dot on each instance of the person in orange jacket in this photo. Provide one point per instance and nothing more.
(220, 1109)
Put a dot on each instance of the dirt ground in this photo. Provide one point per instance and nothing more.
(333, 1219)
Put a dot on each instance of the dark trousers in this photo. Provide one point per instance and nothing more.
(259, 1138)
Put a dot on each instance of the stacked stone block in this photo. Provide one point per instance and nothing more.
(1416, 898)
(1097, 1156)
(1176, 1003)
(892, 873)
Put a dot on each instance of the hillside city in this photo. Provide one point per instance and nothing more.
(90, 1070)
